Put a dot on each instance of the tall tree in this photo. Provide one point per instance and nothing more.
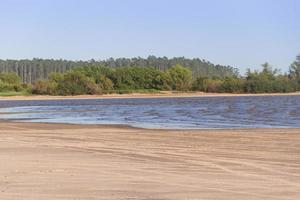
(295, 69)
(39, 69)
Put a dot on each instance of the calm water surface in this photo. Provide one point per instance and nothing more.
(175, 113)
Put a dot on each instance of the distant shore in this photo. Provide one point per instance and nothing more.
(141, 95)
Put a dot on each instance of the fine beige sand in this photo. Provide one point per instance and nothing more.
(163, 94)
(48, 161)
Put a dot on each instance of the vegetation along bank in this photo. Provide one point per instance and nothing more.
(59, 77)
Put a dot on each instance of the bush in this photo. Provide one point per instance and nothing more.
(181, 78)
(44, 88)
(205, 84)
(212, 85)
(232, 85)
(98, 80)
(10, 78)
(105, 84)
(76, 83)
(10, 82)
(133, 78)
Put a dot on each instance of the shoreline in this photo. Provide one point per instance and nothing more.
(55, 161)
(129, 127)
(140, 95)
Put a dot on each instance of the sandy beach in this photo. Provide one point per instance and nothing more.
(56, 161)
(165, 94)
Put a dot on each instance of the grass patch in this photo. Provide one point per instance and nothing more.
(13, 93)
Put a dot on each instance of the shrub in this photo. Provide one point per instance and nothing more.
(10, 78)
(232, 85)
(44, 88)
(181, 78)
(76, 83)
(105, 84)
(205, 84)
(10, 82)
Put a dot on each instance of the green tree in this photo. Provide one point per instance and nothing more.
(39, 69)
(233, 85)
(181, 78)
(268, 80)
(56, 77)
(10, 81)
(161, 81)
(104, 83)
(10, 78)
(295, 70)
(268, 72)
(42, 87)
(76, 83)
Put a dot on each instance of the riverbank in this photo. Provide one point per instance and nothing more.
(57, 161)
(140, 95)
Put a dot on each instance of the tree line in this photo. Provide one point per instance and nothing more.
(31, 71)
(97, 79)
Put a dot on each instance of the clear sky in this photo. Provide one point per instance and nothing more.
(240, 33)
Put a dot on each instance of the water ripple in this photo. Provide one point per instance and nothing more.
(179, 113)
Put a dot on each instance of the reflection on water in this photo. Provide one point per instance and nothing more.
(179, 113)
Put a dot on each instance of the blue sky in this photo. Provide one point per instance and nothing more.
(240, 33)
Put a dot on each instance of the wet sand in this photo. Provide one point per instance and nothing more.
(55, 161)
(139, 95)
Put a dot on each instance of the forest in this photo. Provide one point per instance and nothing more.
(58, 77)
(39, 69)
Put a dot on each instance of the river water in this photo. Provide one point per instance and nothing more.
(164, 113)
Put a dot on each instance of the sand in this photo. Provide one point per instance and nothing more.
(164, 94)
(49, 161)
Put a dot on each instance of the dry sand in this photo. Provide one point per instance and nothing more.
(44, 161)
(164, 94)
